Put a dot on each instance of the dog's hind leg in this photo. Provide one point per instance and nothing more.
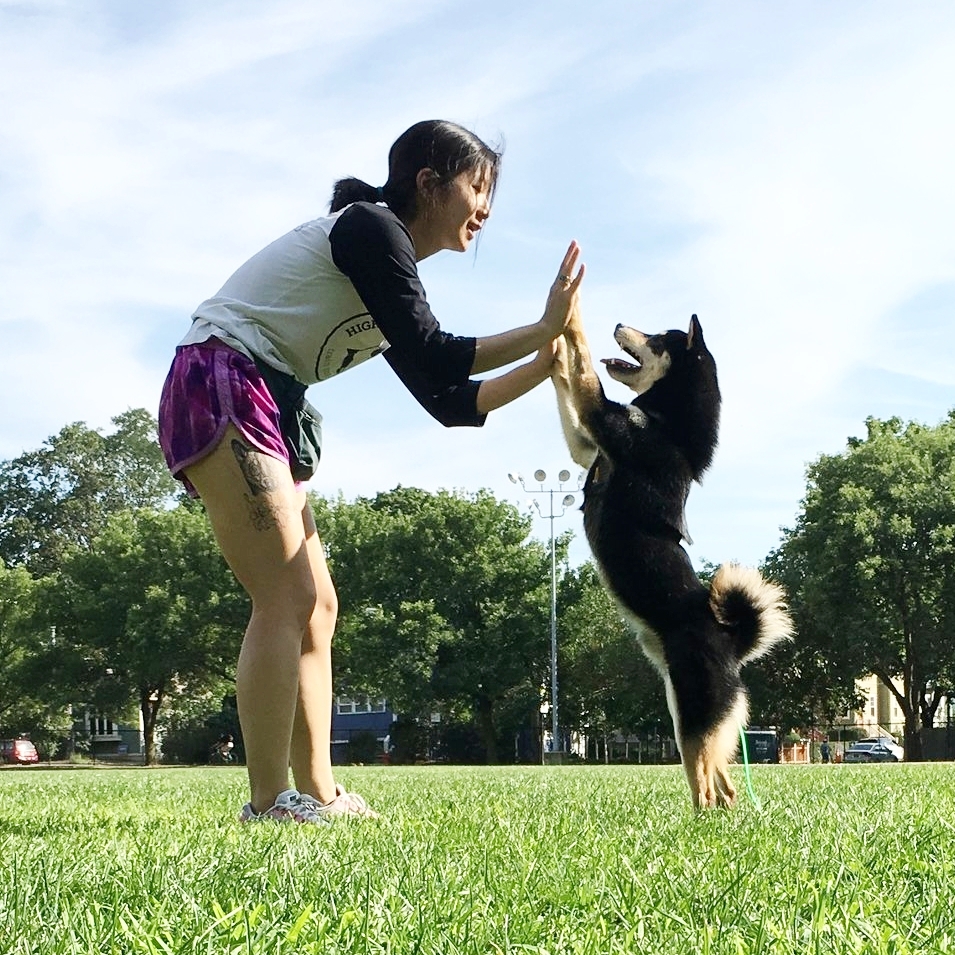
(706, 759)
(726, 791)
(707, 772)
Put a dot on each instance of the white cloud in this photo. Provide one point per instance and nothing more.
(783, 170)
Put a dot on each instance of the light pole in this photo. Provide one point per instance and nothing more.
(563, 477)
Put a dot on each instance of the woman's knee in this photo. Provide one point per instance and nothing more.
(325, 616)
(294, 598)
(321, 625)
(325, 613)
(325, 606)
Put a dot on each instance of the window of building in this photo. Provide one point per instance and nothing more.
(359, 704)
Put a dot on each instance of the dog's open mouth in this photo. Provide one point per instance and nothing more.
(620, 365)
(633, 344)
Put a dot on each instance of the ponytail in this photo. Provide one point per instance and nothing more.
(347, 191)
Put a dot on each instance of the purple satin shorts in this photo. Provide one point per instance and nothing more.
(208, 386)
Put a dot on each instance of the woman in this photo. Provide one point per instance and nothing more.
(236, 430)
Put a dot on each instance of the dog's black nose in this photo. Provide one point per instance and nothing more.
(619, 326)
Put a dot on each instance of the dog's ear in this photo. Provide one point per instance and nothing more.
(694, 337)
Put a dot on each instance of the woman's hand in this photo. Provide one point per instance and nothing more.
(562, 298)
(543, 361)
(495, 351)
(495, 392)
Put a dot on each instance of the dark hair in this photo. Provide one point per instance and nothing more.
(435, 144)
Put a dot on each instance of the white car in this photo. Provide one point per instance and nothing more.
(874, 749)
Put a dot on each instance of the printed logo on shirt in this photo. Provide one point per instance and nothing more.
(348, 344)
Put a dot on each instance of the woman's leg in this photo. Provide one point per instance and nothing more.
(311, 735)
(256, 515)
(312, 730)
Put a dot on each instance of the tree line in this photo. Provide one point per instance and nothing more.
(113, 596)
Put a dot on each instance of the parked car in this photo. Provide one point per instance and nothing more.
(888, 742)
(20, 751)
(873, 751)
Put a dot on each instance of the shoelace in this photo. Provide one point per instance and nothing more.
(308, 808)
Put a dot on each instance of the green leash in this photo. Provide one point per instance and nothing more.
(749, 779)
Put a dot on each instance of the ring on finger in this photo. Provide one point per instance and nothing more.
(563, 278)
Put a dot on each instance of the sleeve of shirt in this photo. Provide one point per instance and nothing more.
(373, 249)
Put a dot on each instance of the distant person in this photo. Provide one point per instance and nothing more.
(235, 428)
(223, 747)
(825, 752)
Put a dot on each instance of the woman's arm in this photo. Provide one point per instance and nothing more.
(494, 351)
(375, 252)
(495, 392)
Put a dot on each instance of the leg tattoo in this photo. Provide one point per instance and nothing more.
(251, 466)
(259, 482)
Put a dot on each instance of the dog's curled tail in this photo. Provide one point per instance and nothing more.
(751, 608)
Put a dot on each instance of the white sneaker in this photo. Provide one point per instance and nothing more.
(289, 806)
(344, 804)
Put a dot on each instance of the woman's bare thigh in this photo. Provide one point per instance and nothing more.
(257, 516)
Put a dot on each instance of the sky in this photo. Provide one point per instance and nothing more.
(783, 170)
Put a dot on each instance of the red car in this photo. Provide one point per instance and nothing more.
(20, 751)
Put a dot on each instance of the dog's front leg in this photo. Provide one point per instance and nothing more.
(586, 389)
(582, 447)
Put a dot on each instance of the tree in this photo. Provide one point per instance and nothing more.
(16, 607)
(607, 683)
(876, 544)
(148, 609)
(26, 705)
(442, 604)
(811, 681)
(59, 497)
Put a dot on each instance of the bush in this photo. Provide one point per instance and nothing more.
(363, 747)
(409, 741)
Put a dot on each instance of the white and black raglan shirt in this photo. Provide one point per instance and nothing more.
(335, 292)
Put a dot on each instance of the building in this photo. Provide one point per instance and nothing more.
(108, 739)
(360, 729)
(881, 715)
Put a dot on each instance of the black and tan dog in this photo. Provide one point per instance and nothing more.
(642, 458)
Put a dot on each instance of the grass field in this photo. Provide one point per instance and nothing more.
(839, 859)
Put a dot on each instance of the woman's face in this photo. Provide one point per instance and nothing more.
(458, 210)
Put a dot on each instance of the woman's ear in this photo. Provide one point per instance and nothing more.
(426, 180)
